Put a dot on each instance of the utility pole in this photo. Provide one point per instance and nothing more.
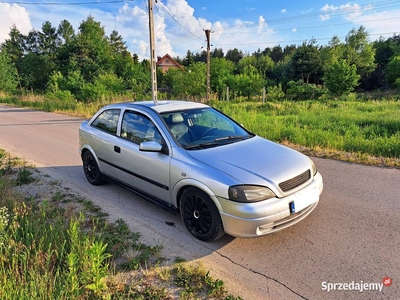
(152, 54)
(208, 31)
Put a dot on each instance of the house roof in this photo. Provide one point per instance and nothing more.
(172, 62)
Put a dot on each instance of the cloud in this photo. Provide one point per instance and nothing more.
(13, 14)
(133, 17)
(376, 22)
(283, 10)
(261, 22)
(137, 19)
(328, 8)
(218, 30)
(143, 46)
(349, 11)
(324, 17)
(185, 30)
(177, 28)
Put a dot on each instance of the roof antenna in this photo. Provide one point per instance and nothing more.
(152, 54)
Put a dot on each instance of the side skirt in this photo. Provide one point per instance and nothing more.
(154, 200)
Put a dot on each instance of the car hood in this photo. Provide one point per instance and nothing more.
(255, 161)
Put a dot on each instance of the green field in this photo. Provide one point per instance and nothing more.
(370, 128)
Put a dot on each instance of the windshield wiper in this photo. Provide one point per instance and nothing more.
(217, 140)
(231, 137)
(202, 145)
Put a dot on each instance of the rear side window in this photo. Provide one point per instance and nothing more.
(107, 121)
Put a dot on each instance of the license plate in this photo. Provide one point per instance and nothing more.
(303, 199)
(292, 207)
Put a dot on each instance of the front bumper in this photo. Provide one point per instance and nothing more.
(245, 220)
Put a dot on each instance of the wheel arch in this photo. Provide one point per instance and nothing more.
(182, 185)
(87, 148)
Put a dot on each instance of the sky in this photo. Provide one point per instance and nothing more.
(248, 25)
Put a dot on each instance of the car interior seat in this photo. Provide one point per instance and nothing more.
(177, 126)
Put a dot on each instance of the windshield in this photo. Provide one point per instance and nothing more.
(204, 128)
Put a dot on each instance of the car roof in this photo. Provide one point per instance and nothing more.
(162, 106)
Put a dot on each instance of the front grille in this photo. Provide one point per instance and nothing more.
(295, 181)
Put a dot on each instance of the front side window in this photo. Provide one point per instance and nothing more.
(139, 128)
(107, 121)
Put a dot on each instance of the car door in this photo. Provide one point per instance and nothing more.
(145, 171)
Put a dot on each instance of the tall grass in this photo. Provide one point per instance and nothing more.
(45, 251)
(64, 248)
(371, 127)
(40, 259)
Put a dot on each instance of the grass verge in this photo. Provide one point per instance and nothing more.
(55, 244)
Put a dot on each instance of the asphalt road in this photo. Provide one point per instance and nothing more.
(351, 240)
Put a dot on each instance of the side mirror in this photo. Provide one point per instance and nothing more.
(150, 146)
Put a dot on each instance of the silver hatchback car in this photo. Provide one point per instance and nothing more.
(190, 158)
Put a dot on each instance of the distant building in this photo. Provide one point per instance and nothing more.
(166, 62)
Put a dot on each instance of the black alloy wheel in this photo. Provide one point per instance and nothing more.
(200, 215)
(91, 169)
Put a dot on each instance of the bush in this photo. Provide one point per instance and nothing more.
(298, 90)
(92, 92)
(60, 100)
(104, 86)
(397, 83)
(111, 82)
(275, 93)
(392, 71)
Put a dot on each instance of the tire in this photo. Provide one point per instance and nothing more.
(91, 169)
(200, 215)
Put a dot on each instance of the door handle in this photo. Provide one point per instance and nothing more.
(117, 149)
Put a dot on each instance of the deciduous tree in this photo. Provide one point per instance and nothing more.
(220, 69)
(341, 78)
(8, 73)
(359, 51)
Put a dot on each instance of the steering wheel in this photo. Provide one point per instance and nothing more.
(207, 131)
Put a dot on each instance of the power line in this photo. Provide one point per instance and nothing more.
(305, 27)
(304, 17)
(336, 12)
(285, 29)
(69, 3)
(295, 41)
(167, 11)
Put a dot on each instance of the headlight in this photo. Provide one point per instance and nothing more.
(249, 193)
(313, 168)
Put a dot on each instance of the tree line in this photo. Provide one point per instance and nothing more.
(87, 64)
